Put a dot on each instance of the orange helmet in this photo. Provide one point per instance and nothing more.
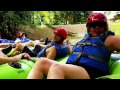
(20, 33)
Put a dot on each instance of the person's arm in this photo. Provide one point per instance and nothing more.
(3, 45)
(51, 53)
(16, 58)
(69, 50)
(43, 46)
(67, 43)
(113, 43)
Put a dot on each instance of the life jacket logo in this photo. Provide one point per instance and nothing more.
(21, 71)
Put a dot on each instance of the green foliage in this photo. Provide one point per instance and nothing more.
(10, 20)
(60, 17)
(70, 17)
(115, 27)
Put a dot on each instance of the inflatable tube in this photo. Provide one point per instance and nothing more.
(19, 70)
(114, 64)
(113, 76)
(10, 71)
(114, 68)
(63, 60)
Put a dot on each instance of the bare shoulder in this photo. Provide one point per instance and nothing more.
(113, 42)
(52, 47)
(112, 39)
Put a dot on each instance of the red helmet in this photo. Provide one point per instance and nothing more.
(61, 31)
(20, 33)
(96, 17)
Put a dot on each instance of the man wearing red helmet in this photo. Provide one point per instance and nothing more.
(89, 57)
(55, 50)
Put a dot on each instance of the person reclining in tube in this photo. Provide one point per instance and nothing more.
(23, 39)
(57, 49)
(89, 58)
(26, 41)
(6, 48)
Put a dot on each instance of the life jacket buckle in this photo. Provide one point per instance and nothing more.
(83, 44)
(83, 54)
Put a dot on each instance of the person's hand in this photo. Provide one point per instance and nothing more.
(67, 41)
(18, 57)
(26, 56)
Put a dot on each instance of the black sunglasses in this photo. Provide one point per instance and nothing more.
(99, 24)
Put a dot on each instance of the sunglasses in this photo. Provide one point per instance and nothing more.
(99, 24)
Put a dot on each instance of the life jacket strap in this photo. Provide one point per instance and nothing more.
(89, 56)
(92, 44)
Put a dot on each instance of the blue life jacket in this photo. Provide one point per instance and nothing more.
(24, 40)
(62, 51)
(92, 52)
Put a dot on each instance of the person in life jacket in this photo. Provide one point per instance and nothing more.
(89, 57)
(57, 49)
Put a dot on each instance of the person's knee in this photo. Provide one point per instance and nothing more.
(19, 45)
(31, 43)
(55, 67)
(42, 63)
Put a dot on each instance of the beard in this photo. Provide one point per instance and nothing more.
(59, 42)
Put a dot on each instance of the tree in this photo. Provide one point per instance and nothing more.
(71, 17)
(10, 21)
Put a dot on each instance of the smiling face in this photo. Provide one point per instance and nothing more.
(97, 28)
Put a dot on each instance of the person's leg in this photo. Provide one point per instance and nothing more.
(19, 47)
(46, 41)
(7, 50)
(37, 49)
(40, 68)
(31, 43)
(27, 50)
(67, 71)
